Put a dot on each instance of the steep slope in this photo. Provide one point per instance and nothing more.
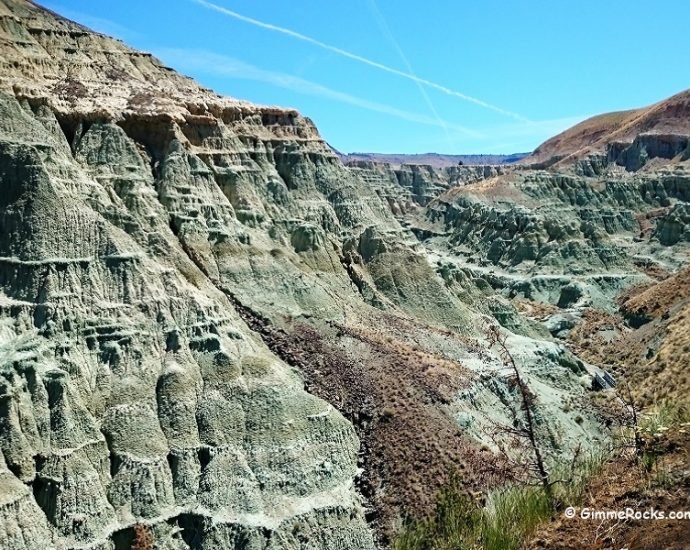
(648, 342)
(213, 330)
(131, 389)
(177, 269)
(666, 120)
(580, 136)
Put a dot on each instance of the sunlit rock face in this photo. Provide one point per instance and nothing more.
(130, 389)
(214, 331)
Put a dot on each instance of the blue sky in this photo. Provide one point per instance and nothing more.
(399, 76)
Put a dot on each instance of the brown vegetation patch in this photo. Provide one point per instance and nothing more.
(395, 393)
(592, 338)
(649, 345)
(70, 88)
(651, 268)
(658, 299)
(535, 310)
(594, 134)
(626, 482)
(143, 539)
(647, 221)
(498, 188)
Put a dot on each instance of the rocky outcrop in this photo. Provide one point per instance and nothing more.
(571, 224)
(131, 391)
(213, 330)
(417, 183)
(648, 146)
(674, 227)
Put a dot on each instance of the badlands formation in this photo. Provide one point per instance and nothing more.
(213, 328)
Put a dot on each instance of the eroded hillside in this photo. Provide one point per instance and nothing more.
(211, 329)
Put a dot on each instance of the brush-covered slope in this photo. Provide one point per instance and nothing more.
(647, 341)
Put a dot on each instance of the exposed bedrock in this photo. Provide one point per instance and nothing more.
(130, 390)
(674, 227)
(213, 330)
(135, 394)
(418, 184)
(563, 221)
(649, 146)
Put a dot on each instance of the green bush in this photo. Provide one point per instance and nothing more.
(510, 516)
(453, 526)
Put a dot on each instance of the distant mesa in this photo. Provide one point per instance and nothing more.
(435, 160)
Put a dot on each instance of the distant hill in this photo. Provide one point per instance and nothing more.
(433, 159)
(668, 117)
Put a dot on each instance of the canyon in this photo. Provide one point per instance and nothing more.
(212, 327)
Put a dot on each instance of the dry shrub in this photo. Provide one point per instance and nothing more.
(143, 539)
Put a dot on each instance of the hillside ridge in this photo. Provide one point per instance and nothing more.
(214, 333)
(595, 135)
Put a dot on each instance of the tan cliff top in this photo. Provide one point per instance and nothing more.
(77, 71)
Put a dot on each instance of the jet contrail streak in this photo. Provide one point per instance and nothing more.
(359, 58)
(422, 90)
(222, 65)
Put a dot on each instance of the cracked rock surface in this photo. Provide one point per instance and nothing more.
(130, 390)
(213, 329)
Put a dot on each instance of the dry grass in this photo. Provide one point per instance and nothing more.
(395, 391)
(143, 539)
(668, 375)
(653, 358)
(499, 188)
(661, 370)
(625, 481)
(659, 298)
(669, 116)
(580, 136)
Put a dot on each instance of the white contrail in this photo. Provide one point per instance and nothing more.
(355, 57)
(227, 66)
(381, 20)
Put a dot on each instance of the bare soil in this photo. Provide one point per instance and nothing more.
(394, 394)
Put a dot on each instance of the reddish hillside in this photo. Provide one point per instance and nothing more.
(671, 116)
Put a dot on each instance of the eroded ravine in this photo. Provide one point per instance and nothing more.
(212, 328)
